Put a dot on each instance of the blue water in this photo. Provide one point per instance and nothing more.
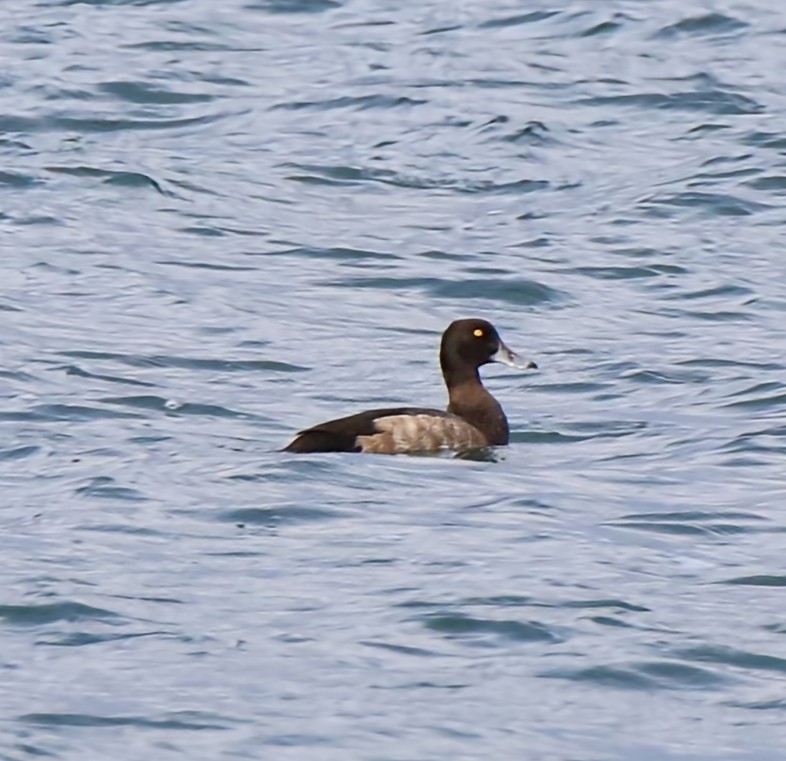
(225, 221)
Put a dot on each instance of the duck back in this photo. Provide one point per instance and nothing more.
(390, 431)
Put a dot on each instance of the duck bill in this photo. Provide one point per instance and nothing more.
(505, 356)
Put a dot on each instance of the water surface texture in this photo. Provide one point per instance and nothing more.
(225, 221)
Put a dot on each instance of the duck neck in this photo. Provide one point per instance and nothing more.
(469, 399)
(459, 375)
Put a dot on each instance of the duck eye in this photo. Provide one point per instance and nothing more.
(478, 333)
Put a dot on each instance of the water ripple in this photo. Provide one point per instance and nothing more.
(710, 24)
(479, 631)
(645, 676)
(188, 363)
(120, 178)
(48, 613)
(522, 292)
(185, 720)
(719, 102)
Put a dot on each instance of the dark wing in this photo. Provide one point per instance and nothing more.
(341, 435)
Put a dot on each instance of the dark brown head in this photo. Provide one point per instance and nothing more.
(466, 346)
(470, 344)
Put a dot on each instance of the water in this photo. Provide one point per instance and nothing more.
(222, 222)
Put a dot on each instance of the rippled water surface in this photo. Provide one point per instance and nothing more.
(225, 221)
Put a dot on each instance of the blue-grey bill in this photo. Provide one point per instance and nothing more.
(507, 357)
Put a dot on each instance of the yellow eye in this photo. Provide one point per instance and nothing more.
(477, 332)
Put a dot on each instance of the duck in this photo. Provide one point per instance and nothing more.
(474, 419)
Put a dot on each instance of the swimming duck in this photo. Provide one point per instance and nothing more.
(474, 418)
